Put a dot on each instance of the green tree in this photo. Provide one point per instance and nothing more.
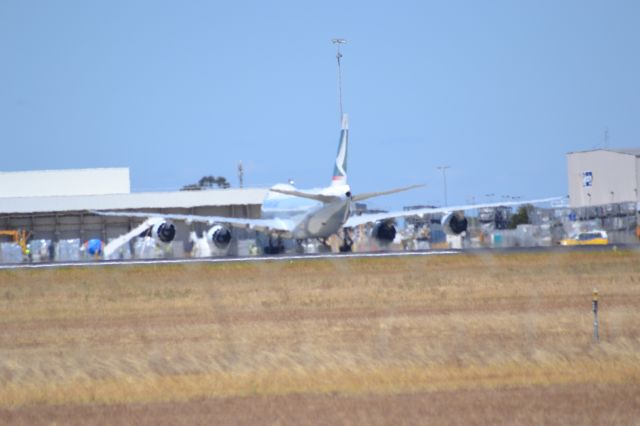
(207, 182)
(191, 187)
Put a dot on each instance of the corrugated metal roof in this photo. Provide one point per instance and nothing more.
(628, 151)
(140, 200)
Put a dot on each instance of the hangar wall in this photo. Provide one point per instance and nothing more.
(43, 183)
(603, 176)
(58, 205)
(85, 225)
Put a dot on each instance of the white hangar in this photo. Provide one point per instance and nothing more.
(603, 176)
(57, 204)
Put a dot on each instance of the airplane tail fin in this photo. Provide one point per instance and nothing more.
(340, 168)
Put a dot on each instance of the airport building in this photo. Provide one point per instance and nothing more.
(603, 176)
(56, 205)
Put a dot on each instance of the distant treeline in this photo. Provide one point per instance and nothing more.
(207, 182)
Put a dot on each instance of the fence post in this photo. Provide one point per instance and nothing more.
(596, 336)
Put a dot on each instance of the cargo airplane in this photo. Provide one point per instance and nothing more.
(288, 212)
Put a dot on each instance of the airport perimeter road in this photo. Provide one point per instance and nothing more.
(285, 257)
(554, 249)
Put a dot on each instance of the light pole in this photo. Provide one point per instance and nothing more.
(338, 42)
(510, 197)
(444, 178)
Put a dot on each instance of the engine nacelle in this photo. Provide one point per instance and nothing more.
(164, 231)
(384, 232)
(454, 223)
(220, 236)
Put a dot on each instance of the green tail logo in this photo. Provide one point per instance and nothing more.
(340, 168)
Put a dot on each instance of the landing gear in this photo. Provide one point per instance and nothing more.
(347, 241)
(275, 246)
(324, 246)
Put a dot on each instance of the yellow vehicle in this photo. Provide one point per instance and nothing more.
(19, 237)
(587, 238)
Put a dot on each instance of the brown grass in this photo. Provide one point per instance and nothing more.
(348, 327)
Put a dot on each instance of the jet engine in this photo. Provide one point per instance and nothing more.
(220, 236)
(384, 232)
(164, 231)
(454, 223)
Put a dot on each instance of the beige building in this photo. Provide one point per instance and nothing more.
(603, 176)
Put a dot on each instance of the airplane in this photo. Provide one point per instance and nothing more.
(291, 213)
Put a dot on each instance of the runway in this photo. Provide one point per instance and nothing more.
(295, 257)
(280, 258)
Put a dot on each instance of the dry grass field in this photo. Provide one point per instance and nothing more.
(465, 339)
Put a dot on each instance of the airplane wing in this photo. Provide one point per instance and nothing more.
(275, 225)
(117, 243)
(375, 217)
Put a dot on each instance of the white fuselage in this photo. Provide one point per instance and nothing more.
(310, 218)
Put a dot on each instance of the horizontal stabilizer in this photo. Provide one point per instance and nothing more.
(368, 195)
(317, 197)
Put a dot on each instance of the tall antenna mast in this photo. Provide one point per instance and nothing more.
(338, 42)
(240, 174)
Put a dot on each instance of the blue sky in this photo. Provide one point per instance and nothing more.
(498, 90)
